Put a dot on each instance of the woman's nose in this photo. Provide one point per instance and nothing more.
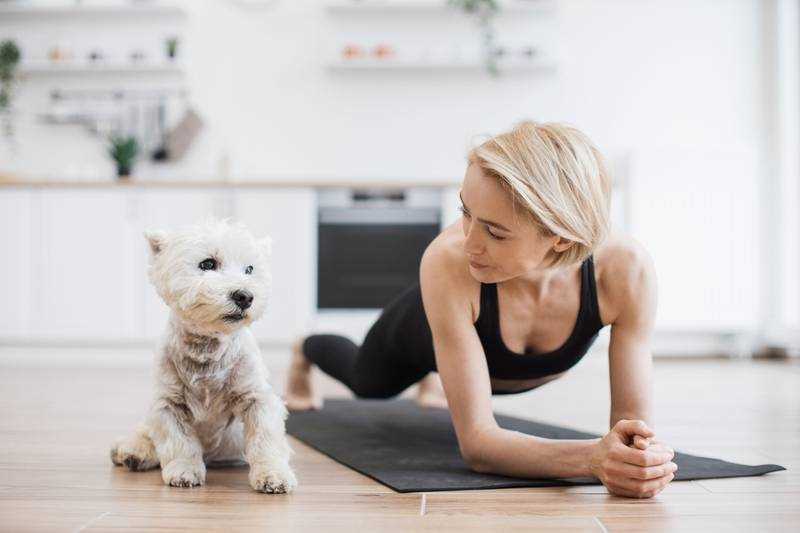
(472, 240)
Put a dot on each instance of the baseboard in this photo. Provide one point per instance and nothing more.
(139, 353)
(106, 355)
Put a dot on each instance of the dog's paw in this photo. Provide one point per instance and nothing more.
(272, 479)
(136, 456)
(179, 473)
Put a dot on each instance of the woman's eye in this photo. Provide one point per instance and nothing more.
(249, 269)
(208, 264)
(493, 236)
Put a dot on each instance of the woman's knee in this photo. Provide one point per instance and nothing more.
(371, 390)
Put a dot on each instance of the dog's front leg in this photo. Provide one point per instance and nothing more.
(177, 445)
(265, 446)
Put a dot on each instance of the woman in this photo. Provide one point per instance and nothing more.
(495, 313)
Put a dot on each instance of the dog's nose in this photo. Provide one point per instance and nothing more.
(242, 298)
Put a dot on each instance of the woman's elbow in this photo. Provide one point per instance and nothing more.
(475, 457)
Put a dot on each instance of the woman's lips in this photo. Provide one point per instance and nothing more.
(476, 265)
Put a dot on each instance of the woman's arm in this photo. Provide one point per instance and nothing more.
(632, 285)
(462, 366)
(484, 445)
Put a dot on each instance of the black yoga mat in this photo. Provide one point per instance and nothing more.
(411, 449)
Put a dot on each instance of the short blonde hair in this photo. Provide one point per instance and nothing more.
(558, 177)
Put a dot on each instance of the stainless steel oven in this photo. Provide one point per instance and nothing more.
(370, 242)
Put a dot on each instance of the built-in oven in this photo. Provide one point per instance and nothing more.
(370, 242)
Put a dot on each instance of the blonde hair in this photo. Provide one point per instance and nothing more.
(558, 177)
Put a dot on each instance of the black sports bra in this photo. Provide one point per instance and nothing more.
(505, 364)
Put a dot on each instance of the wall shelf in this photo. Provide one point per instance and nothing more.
(420, 6)
(408, 65)
(26, 9)
(46, 67)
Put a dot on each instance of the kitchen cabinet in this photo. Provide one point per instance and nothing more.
(75, 270)
(16, 263)
(698, 215)
(74, 267)
(84, 266)
(288, 216)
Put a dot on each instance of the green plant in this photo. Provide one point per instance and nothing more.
(9, 59)
(473, 6)
(123, 150)
(172, 47)
(485, 11)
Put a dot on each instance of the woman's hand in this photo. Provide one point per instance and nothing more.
(630, 463)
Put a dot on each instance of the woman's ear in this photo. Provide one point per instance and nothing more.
(562, 245)
(157, 239)
(266, 245)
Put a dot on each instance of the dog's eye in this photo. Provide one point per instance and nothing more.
(208, 264)
(249, 269)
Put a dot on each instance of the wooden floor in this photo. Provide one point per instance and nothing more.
(57, 421)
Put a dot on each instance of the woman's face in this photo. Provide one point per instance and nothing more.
(499, 243)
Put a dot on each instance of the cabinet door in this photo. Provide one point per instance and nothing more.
(289, 217)
(83, 285)
(167, 209)
(697, 214)
(16, 289)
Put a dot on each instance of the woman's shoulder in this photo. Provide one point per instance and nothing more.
(444, 273)
(623, 269)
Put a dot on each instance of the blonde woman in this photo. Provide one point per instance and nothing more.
(495, 313)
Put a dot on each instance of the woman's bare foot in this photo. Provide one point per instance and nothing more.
(430, 392)
(299, 394)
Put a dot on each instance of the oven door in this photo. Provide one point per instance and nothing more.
(368, 256)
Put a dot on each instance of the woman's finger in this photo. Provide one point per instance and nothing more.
(643, 489)
(652, 456)
(642, 473)
(641, 442)
(629, 428)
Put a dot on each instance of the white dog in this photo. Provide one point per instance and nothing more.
(212, 400)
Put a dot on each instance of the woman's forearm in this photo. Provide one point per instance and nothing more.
(511, 453)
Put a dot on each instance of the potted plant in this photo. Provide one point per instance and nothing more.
(9, 59)
(172, 48)
(485, 11)
(123, 149)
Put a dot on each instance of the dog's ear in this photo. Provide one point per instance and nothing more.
(156, 239)
(265, 244)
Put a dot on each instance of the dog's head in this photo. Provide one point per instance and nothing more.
(214, 276)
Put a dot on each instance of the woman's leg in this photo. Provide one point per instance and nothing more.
(397, 352)
(430, 392)
(299, 394)
(370, 371)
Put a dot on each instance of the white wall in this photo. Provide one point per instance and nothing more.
(680, 85)
(633, 73)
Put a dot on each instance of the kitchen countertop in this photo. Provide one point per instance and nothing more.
(135, 183)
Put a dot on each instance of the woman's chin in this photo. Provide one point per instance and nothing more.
(484, 274)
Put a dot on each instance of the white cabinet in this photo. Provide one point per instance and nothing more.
(15, 263)
(289, 217)
(82, 286)
(697, 213)
(74, 266)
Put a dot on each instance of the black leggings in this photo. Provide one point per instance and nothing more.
(397, 351)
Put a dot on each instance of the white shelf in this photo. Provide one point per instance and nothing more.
(396, 64)
(43, 68)
(29, 9)
(412, 6)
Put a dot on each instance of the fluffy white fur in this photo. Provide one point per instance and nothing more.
(212, 401)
